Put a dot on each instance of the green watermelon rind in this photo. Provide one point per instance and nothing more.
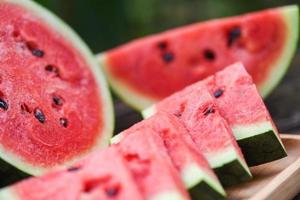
(140, 101)
(279, 68)
(193, 178)
(199, 183)
(63, 29)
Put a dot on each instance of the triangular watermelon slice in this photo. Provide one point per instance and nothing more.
(149, 69)
(214, 138)
(101, 175)
(151, 166)
(240, 104)
(186, 157)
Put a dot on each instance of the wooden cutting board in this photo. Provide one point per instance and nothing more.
(278, 180)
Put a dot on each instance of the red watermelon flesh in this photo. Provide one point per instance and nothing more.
(240, 104)
(214, 138)
(152, 168)
(154, 67)
(93, 178)
(186, 157)
(54, 105)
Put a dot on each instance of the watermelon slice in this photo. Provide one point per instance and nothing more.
(241, 105)
(54, 103)
(192, 166)
(93, 178)
(152, 168)
(213, 137)
(149, 69)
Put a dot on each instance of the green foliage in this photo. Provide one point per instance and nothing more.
(105, 24)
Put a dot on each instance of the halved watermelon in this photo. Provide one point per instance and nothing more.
(240, 104)
(94, 177)
(151, 166)
(54, 103)
(149, 69)
(188, 160)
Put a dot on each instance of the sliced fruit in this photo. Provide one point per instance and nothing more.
(93, 178)
(149, 69)
(188, 160)
(240, 104)
(54, 103)
(152, 168)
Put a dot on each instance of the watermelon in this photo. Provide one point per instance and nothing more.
(190, 163)
(240, 104)
(148, 160)
(54, 102)
(94, 177)
(149, 69)
(213, 137)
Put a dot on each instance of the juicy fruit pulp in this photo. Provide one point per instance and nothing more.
(148, 160)
(93, 178)
(149, 69)
(54, 104)
(187, 159)
(238, 101)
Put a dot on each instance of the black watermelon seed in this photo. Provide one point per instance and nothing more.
(52, 69)
(73, 169)
(39, 115)
(34, 50)
(25, 108)
(209, 54)
(38, 53)
(3, 104)
(63, 122)
(112, 192)
(208, 111)
(168, 57)
(162, 45)
(233, 35)
(57, 100)
(218, 93)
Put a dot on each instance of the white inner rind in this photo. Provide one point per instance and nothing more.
(226, 156)
(168, 195)
(68, 34)
(192, 175)
(278, 69)
(248, 131)
(123, 90)
(8, 194)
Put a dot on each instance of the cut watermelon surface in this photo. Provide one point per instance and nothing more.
(54, 103)
(148, 160)
(240, 104)
(151, 68)
(93, 178)
(188, 160)
(214, 138)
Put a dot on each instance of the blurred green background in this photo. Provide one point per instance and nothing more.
(106, 24)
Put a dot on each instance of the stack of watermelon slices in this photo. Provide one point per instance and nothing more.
(189, 137)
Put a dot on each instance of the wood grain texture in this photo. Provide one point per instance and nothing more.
(278, 180)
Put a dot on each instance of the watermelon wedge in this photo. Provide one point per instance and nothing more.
(93, 178)
(240, 104)
(149, 69)
(151, 166)
(188, 160)
(54, 103)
